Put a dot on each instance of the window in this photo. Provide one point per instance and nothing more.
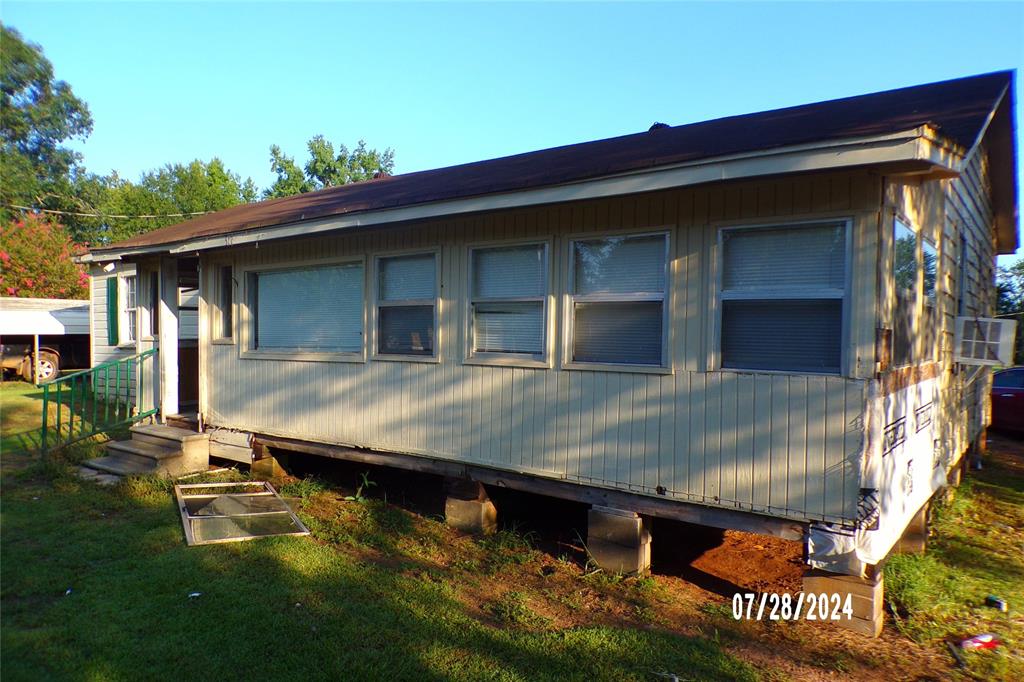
(961, 284)
(154, 303)
(508, 301)
(130, 308)
(904, 271)
(406, 305)
(617, 300)
(223, 308)
(782, 296)
(310, 309)
(930, 262)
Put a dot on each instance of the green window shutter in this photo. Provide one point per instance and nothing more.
(112, 312)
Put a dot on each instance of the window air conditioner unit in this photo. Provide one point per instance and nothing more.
(984, 341)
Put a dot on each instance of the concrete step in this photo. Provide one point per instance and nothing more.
(161, 434)
(124, 465)
(96, 476)
(144, 449)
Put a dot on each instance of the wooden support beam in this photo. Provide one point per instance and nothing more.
(647, 505)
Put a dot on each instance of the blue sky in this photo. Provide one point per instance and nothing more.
(450, 83)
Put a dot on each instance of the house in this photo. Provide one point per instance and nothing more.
(745, 323)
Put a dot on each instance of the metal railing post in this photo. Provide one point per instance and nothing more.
(46, 426)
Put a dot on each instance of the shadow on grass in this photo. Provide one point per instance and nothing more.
(281, 608)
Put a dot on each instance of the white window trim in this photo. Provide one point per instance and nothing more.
(375, 305)
(526, 360)
(123, 319)
(245, 316)
(569, 299)
(151, 311)
(215, 308)
(810, 293)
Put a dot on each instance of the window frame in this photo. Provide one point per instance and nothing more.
(376, 304)
(916, 294)
(526, 360)
(128, 318)
(570, 298)
(216, 307)
(931, 315)
(246, 314)
(718, 266)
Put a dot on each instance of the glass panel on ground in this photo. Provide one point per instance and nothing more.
(230, 512)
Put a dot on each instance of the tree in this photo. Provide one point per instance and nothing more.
(1010, 301)
(37, 114)
(326, 168)
(168, 195)
(35, 260)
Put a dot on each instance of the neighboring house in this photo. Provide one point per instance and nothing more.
(745, 323)
(57, 328)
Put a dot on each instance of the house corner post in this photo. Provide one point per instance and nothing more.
(168, 337)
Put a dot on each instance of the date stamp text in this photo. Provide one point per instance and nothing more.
(785, 606)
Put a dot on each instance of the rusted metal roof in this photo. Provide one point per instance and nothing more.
(959, 109)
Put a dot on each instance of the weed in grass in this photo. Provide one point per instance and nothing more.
(467, 565)
(364, 484)
(506, 548)
(571, 600)
(923, 595)
(716, 609)
(512, 609)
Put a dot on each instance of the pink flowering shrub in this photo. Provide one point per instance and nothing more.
(35, 260)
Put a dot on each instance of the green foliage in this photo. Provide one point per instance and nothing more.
(1010, 302)
(363, 485)
(326, 168)
(306, 488)
(35, 260)
(974, 551)
(37, 114)
(174, 192)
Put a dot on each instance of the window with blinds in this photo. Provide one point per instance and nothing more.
(130, 310)
(508, 301)
(618, 300)
(407, 305)
(904, 272)
(310, 309)
(782, 293)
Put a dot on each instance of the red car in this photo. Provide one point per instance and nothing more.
(1008, 399)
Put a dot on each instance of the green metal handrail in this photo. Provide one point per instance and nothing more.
(102, 405)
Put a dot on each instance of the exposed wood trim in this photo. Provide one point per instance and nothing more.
(898, 379)
(642, 504)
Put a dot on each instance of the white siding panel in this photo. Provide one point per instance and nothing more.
(749, 441)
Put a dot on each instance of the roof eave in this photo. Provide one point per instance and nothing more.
(920, 151)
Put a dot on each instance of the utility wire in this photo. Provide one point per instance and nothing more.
(105, 215)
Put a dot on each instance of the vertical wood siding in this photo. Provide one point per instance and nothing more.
(946, 212)
(788, 445)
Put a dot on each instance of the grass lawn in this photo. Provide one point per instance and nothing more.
(976, 550)
(365, 599)
(21, 409)
(95, 585)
